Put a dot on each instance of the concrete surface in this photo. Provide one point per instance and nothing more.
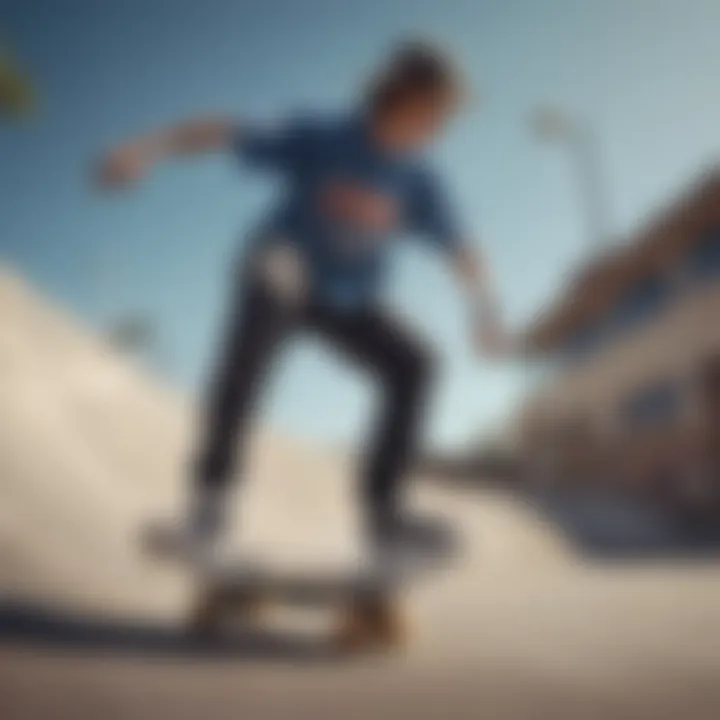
(520, 627)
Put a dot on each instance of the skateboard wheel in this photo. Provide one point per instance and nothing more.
(372, 625)
(250, 607)
(206, 616)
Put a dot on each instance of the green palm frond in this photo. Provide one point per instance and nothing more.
(17, 94)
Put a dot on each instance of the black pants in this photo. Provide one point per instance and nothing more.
(399, 362)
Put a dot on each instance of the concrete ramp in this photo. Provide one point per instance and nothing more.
(90, 447)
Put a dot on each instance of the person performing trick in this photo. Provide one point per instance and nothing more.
(353, 182)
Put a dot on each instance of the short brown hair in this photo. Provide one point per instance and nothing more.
(414, 69)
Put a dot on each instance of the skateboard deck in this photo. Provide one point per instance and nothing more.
(305, 587)
(368, 597)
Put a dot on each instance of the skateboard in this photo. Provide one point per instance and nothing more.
(369, 600)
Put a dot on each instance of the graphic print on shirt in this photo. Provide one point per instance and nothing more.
(361, 216)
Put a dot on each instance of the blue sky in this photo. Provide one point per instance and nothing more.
(644, 72)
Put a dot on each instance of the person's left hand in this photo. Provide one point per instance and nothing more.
(492, 342)
(121, 167)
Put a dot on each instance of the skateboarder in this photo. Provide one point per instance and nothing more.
(352, 182)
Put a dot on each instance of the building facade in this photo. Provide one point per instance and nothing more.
(633, 345)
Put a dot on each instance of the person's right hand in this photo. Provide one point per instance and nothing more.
(122, 167)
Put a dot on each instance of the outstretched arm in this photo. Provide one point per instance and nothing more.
(128, 162)
(431, 215)
(486, 321)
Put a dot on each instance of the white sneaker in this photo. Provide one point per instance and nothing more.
(406, 545)
(198, 539)
(183, 541)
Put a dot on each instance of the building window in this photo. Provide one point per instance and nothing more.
(704, 257)
(652, 406)
(641, 301)
(583, 342)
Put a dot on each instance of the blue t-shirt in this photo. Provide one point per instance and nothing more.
(344, 200)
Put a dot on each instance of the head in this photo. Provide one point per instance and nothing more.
(412, 97)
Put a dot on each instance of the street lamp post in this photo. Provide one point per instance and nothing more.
(552, 125)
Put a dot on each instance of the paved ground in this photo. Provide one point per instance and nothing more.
(519, 629)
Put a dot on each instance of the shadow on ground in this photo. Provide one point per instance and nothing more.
(34, 626)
